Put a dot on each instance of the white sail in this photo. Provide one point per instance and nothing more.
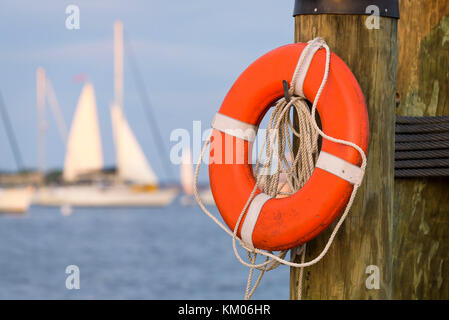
(187, 172)
(131, 162)
(84, 152)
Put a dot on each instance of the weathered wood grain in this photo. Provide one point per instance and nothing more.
(421, 211)
(366, 236)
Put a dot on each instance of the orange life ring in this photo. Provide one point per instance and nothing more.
(288, 222)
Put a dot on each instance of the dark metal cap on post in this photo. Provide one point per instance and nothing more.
(387, 8)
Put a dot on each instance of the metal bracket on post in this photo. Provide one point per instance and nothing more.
(387, 8)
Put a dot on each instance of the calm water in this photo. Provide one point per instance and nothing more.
(124, 253)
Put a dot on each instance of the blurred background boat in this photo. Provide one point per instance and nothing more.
(85, 182)
(16, 200)
(102, 196)
(16, 193)
(187, 181)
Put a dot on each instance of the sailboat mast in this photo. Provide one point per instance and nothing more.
(118, 63)
(41, 125)
(11, 135)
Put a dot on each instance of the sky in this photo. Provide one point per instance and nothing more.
(189, 54)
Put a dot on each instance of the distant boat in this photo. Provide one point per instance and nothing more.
(98, 196)
(136, 184)
(187, 181)
(186, 174)
(186, 178)
(16, 200)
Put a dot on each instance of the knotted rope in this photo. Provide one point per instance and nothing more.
(297, 171)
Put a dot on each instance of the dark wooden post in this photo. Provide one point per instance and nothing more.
(366, 236)
(421, 215)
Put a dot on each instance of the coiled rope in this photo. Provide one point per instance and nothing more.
(297, 173)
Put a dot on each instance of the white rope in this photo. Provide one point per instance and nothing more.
(297, 173)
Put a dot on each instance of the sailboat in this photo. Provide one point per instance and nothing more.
(135, 183)
(187, 181)
(15, 199)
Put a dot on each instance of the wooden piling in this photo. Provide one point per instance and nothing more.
(366, 236)
(421, 210)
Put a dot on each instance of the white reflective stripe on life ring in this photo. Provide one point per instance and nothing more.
(251, 218)
(340, 168)
(233, 127)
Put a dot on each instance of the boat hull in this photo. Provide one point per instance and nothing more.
(15, 200)
(92, 196)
